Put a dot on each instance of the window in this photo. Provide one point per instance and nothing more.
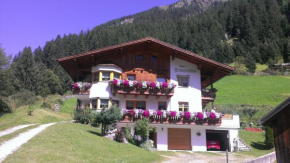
(105, 76)
(116, 76)
(104, 103)
(96, 77)
(136, 104)
(141, 105)
(115, 102)
(182, 81)
(129, 104)
(183, 106)
(139, 57)
(154, 58)
(161, 79)
(94, 103)
(131, 77)
(162, 106)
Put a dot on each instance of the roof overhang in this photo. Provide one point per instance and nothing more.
(273, 114)
(211, 71)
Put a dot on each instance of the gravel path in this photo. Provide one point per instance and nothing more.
(11, 130)
(12, 145)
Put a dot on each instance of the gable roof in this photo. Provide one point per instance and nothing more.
(273, 114)
(211, 70)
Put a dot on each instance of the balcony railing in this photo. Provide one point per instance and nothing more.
(137, 90)
(207, 94)
(81, 88)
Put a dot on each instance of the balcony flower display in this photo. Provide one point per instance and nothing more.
(144, 84)
(159, 112)
(75, 86)
(152, 85)
(139, 85)
(212, 115)
(146, 113)
(206, 115)
(126, 83)
(187, 115)
(164, 85)
(131, 83)
(132, 112)
(171, 85)
(152, 112)
(199, 116)
(158, 85)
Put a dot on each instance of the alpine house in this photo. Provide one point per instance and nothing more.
(148, 78)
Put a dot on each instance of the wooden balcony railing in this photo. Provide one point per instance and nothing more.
(208, 94)
(127, 118)
(139, 91)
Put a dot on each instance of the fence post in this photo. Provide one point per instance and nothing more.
(227, 156)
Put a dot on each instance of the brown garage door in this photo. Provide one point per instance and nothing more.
(179, 139)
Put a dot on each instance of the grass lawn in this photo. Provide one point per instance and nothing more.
(68, 142)
(256, 142)
(253, 90)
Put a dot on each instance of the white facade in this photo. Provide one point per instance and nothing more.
(190, 94)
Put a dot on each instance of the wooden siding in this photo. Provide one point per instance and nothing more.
(281, 129)
(179, 139)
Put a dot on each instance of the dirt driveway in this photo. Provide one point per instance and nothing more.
(203, 157)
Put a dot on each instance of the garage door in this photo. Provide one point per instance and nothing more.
(179, 139)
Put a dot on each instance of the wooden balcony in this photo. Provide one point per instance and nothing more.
(128, 118)
(207, 96)
(77, 91)
(139, 91)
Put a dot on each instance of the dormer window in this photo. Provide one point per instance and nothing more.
(139, 57)
(154, 58)
(131, 77)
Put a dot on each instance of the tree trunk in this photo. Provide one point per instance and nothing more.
(103, 132)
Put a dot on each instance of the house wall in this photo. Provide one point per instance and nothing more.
(190, 94)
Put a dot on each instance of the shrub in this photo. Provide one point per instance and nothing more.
(46, 105)
(4, 108)
(142, 129)
(119, 137)
(128, 134)
(30, 111)
(269, 137)
(60, 101)
(84, 116)
(147, 145)
(24, 97)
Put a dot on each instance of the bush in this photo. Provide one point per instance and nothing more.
(46, 105)
(60, 101)
(147, 145)
(23, 97)
(84, 116)
(30, 111)
(4, 108)
(128, 134)
(142, 129)
(269, 137)
(119, 137)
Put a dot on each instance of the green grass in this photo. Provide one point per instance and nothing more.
(68, 106)
(256, 142)
(252, 90)
(68, 142)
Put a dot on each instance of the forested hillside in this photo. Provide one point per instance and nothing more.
(256, 30)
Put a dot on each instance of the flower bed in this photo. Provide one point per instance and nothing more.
(141, 87)
(172, 117)
(80, 87)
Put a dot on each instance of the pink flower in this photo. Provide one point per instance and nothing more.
(187, 115)
(146, 113)
(199, 115)
(159, 112)
(152, 84)
(212, 115)
(164, 85)
(115, 81)
(75, 86)
(173, 113)
(132, 112)
(126, 83)
(139, 84)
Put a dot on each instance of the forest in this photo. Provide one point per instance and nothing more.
(256, 30)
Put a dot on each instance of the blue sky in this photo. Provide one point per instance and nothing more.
(33, 22)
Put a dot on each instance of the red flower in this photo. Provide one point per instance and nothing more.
(159, 112)
(153, 85)
(212, 115)
(173, 113)
(76, 86)
(146, 113)
(126, 83)
(187, 115)
(139, 84)
(199, 115)
(115, 81)
(164, 85)
(132, 112)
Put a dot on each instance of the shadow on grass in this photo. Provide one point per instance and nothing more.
(95, 133)
(260, 146)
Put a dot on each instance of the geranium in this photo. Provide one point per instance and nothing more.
(139, 84)
(126, 83)
(192, 115)
(146, 113)
(173, 113)
(131, 84)
(76, 86)
(132, 112)
(136, 111)
(140, 111)
(181, 113)
(153, 85)
(115, 81)
(187, 114)
(164, 85)
(212, 115)
(164, 114)
(159, 113)
(144, 84)
(171, 85)
(199, 115)
(150, 112)
(80, 85)
(218, 115)
(157, 85)
(206, 114)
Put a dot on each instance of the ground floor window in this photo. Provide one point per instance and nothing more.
(94, 103)
(104, 103)
(162, 105)
(183, 106)
(115, 102)
(136, 104)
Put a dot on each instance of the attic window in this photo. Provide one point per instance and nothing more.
(154, 58)
(139, 57)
